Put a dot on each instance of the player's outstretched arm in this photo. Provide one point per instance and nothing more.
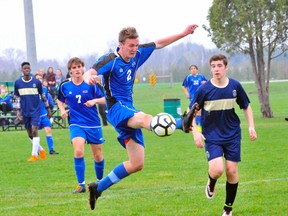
(90, 76)
(160, 43)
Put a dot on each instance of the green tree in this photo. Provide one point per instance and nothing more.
(258, 28)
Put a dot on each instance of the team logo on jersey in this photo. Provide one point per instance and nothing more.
(234, 92)
(121, 70)
(133, 64)
(70, 92)
(34, 85)
(85, 91)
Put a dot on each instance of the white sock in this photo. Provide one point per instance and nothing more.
(35, 145)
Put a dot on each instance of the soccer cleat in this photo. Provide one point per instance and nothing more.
(33, 158)
(42, 154)
(227, 213)
(94, 194)
(209, 194)
(187, 118)
(80, 189)
(53, 152)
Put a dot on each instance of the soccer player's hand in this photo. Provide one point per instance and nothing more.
(252, 133)
(65, 113)
(198, 139)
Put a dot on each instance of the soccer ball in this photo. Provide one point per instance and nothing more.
(163, 124)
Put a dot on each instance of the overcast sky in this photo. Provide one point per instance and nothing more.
(66, 28)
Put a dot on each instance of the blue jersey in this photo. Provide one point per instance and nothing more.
(192, 83)
(119, 75)
(75, 96)
(218, 105)
(29, 92)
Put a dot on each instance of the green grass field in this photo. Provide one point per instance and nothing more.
(175, 173)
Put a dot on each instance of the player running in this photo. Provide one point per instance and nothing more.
(85, 125)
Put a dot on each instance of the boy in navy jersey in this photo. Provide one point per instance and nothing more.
(119, 70)
(221, 127)
(85, 125)
(29, 90)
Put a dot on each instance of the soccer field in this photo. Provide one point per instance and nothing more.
(175, 173)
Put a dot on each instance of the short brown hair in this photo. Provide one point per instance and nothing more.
(127, 32)
(219, 57)
(74, 60)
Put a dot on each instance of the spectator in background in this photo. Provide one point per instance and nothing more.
(5, 101)
(2, 86)
(42, 73)
(59, 77)
(50, 77)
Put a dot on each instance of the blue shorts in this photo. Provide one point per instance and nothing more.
(230, 150)
(118, 115)
(29, 121)
(91, 135)
(44, 122)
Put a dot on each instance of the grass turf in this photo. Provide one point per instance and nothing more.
(175, 173)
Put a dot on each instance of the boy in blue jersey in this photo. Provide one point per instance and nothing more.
(119, 71)
(190, 84)
(221, 127)
(85, 124)
(44, 120)
(29, 91)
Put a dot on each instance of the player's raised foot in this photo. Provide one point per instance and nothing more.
(42, 154)
(187, 118)
(93, 194)
(53, 152)
(209, 193)
(227, 213)
(33, 158)
(80, 189)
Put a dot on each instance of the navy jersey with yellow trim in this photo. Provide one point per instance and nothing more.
(75, 96)
(119, 75)
(219, 119)
(29, 92)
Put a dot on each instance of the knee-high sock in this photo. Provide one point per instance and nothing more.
(117, 174)
(99, 169)
(79, 164)
(178, 123)
(231, 191)
(35, 145)
(50, 142)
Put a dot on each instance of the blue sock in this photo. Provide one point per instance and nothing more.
(113, 177)
(198, 120)
(79, 165)
(178, 123)
(99, 169)
(50, 142)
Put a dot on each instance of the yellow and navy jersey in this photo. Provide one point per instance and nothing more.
(119, 75)
(218, 117)
(29, 92)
